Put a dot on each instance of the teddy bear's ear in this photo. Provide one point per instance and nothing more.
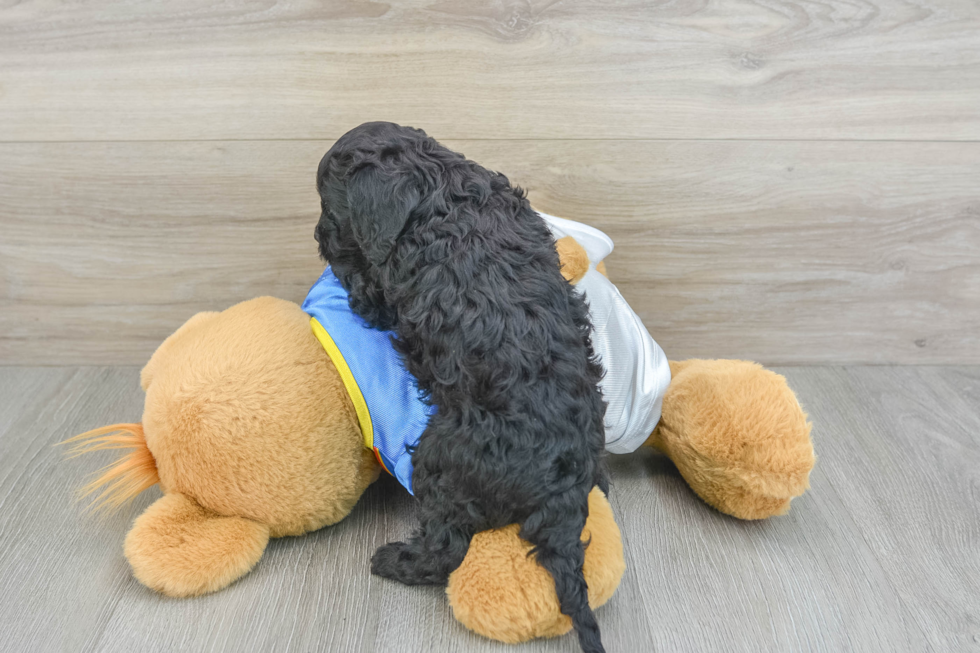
(574, 259)
(181, 549)
(160, 355)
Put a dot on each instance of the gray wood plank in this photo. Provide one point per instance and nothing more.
(61, 573)
(778, 252)
(123, 70)
(880, 554)
(906, 466)
(794, 583)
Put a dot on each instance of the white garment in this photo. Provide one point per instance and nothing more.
(637, 373)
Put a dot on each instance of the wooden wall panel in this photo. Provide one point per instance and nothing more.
(493, 69)
(786, 252)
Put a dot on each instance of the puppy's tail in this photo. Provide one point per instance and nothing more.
(128, 476)
(562, 553)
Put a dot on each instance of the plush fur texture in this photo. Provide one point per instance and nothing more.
(574, 259)
(499, 592)
(181, 549)
(453, 258)
(127, 477)
(738, 436)
(218, 383)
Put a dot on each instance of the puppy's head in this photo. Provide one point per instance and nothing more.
(370, 183)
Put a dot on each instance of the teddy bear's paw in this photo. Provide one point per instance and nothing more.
(502, 593)
(738, 436)
(181, 549)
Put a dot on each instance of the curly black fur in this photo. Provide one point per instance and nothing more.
(451, 256)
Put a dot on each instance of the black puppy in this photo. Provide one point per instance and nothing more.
(451, 256)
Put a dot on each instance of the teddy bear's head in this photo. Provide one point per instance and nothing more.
(246, 414)
(250, 433)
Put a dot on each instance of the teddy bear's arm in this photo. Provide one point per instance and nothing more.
(181, 549)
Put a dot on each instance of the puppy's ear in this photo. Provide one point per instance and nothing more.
(380, 205)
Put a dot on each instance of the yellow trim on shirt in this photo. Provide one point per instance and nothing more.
(360, 406)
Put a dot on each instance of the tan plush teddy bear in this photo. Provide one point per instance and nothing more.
(251, 433)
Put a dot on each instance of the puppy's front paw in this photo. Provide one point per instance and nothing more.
(389, 560)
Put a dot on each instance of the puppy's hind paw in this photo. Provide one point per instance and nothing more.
(389, 561)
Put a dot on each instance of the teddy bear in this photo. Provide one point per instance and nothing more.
(251, 433)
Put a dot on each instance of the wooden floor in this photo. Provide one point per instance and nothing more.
(882, 554)
(791, 181)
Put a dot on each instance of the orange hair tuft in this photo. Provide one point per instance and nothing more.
(127, 477)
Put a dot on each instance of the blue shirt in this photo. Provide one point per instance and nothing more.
(390, 408)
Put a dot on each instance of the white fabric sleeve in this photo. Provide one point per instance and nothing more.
(637, 372)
